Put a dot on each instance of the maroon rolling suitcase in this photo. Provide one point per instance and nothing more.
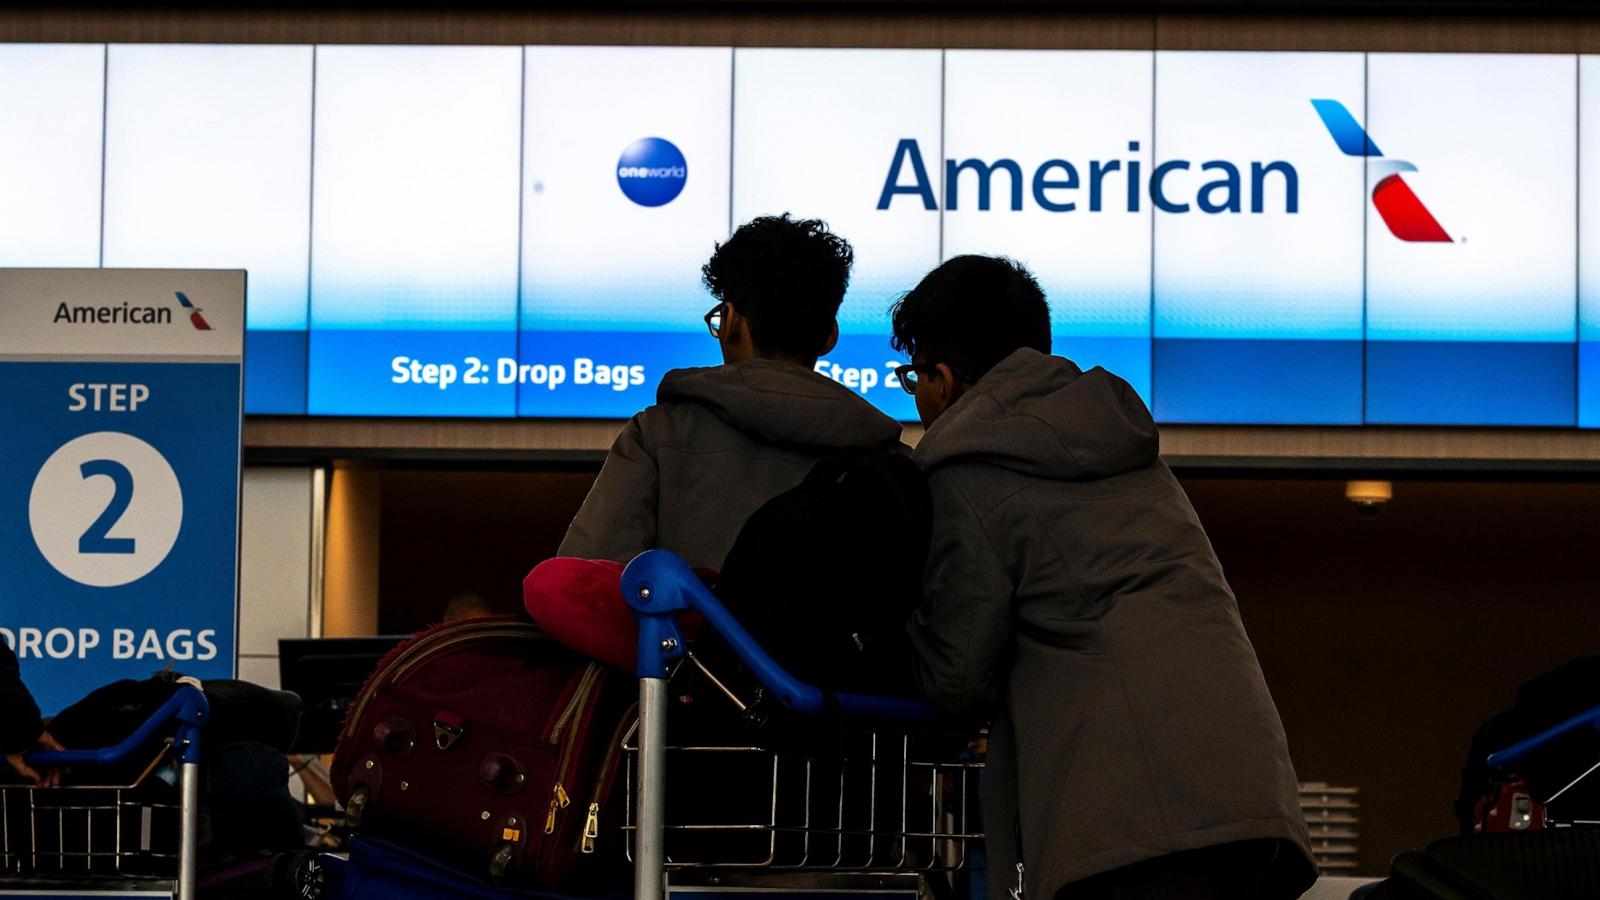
(490, 745)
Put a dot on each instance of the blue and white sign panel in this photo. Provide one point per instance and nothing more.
(119, 474)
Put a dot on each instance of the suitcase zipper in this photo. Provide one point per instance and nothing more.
(602, 783)
(405, 661)
(591, 829)
(559, 799)
(581, 693)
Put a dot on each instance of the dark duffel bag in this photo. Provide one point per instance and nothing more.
(1553, 864)
(492, 747)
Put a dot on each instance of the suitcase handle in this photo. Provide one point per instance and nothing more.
(1510, 756)
(188, 707)
(659, 586)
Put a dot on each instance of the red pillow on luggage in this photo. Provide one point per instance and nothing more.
(579, 603)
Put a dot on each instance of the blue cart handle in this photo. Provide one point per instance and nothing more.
(1505, 759)
(187, 707)
(659, 586)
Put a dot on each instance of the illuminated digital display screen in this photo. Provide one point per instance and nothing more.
(1247, 238)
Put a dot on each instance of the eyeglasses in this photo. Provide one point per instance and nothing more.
(714, 320)
(910, 373)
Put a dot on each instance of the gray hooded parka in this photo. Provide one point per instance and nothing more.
(1073, 597)
(686, 473)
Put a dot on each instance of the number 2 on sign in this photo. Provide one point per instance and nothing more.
(95, 540)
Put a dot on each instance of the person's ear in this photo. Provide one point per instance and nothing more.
(831, 342)
(944, 386)
(738, 343)
(732, 324)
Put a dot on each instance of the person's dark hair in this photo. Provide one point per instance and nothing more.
(787, 277)
(971, 313)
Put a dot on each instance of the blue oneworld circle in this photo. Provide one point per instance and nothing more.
(652, 172)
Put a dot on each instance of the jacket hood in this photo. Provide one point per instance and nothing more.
(1042, 416)
(782, 403)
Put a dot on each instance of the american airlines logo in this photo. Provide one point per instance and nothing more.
(128, 314)
(198, 321)
(1402, 210)
(1176, 186)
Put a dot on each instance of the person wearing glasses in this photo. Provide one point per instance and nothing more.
(21, 729)
(1072, 598)
(686, 473)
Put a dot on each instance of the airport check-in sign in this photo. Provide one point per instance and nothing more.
(120, 398)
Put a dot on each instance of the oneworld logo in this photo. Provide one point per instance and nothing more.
(1057, 185)
(1394, 200)
(652, 172)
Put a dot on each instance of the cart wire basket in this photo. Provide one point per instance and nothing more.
(865, 801)
(145, 830)
(876, 791)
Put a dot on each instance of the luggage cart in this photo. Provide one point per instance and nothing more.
(91, 840)
(1531, 854)
(1528, 813)
(892, 812)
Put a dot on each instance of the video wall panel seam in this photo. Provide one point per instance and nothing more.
(1366, 219)
(522, 206)
(105, 100)
(944, 119)
(311, 231)
(1155, 149)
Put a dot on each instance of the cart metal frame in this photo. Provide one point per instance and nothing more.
(659, 586)
(104, 806)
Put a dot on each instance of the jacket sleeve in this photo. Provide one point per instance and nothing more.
(20, 725)
(618, 519)
(962, 635)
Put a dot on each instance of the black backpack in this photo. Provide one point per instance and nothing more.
(825, 575)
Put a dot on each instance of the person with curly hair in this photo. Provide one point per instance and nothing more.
(720, 441)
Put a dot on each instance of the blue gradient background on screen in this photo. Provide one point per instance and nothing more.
(1589, 243)
(208, 165)
(51, 105)
(415, 220)
(814, 134)
(603, 277)
(1258, 316)
(1093, 266)
(430, 161)
(1479, 331)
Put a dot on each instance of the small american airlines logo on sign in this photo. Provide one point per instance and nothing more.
(128, 314)
(198, 321)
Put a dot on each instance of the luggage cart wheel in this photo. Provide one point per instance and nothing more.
(307, 878)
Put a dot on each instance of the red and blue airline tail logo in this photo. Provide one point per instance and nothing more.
(195, 319)
(1399, 206)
